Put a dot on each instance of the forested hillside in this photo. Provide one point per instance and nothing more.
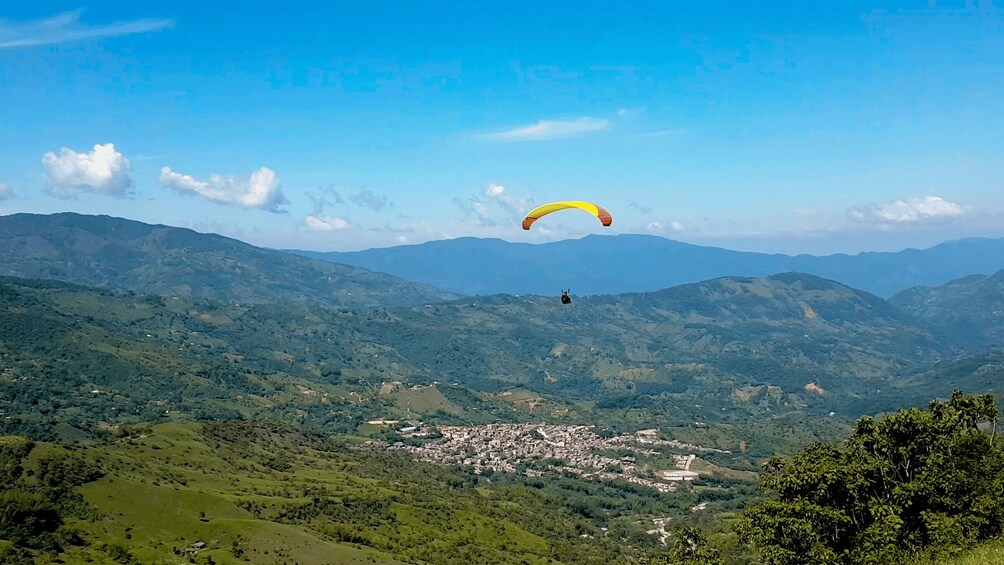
(970, 307)
(366, 427)
(718, 352)
(120, 254)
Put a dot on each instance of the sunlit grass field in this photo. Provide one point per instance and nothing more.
(990, 553)
(168, 491)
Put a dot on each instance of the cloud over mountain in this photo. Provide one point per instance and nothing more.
(103, 170)
(909, 210)
(325, 223)
(262, 190)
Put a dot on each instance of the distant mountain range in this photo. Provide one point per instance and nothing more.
(640, 263)
(107, 252)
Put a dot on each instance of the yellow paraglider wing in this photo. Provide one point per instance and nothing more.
(540, 211)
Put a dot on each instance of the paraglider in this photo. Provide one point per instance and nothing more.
(540, 211)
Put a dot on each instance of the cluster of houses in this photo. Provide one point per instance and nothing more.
(533, 449)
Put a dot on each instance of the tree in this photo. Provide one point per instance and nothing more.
(26, 516)
(692, 549)
(914, 480)
(13, 450)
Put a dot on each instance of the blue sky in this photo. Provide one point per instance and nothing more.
(791, 127)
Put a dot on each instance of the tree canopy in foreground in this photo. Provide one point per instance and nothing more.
(910, 482)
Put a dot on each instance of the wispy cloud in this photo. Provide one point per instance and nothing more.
(551, 129)
(326, 223)
(495, 207)
(473, 206)
(514, 206)
(658, 227)
(910, 210)
(627, 112)
(262, 190)
(663, 132)
(366, 198)
(67, 27)
(324, 196)
(6, 192)
(102, 170)
(643, 208)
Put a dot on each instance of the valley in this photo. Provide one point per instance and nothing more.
(369, 425)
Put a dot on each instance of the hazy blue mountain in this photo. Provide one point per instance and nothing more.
(640, 263)
(972, 306)
(103, 251)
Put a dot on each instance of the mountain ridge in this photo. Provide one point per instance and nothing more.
(110, 252)
(617, 264)
(972, 306)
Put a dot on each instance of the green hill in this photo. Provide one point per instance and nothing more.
(698, 359)
(972, 307)
(751, 366)
(815, 339)
(267, 493)
(107, 252)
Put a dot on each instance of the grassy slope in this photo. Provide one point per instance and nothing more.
(987, 554)
(175, 486)
(170, 490)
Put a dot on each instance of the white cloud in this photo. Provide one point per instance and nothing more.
(326, 223)
(103, 170)
(262, 190)
(908, 210)
(551, 129)
(495, 190)
(66, 27)
(6, 192)
(659, 227)
(366, 198)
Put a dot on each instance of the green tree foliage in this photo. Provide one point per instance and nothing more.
(65, 472)
(26, 516)
(13, 450)
(912, 481)
(35, 504)
(692, 549)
